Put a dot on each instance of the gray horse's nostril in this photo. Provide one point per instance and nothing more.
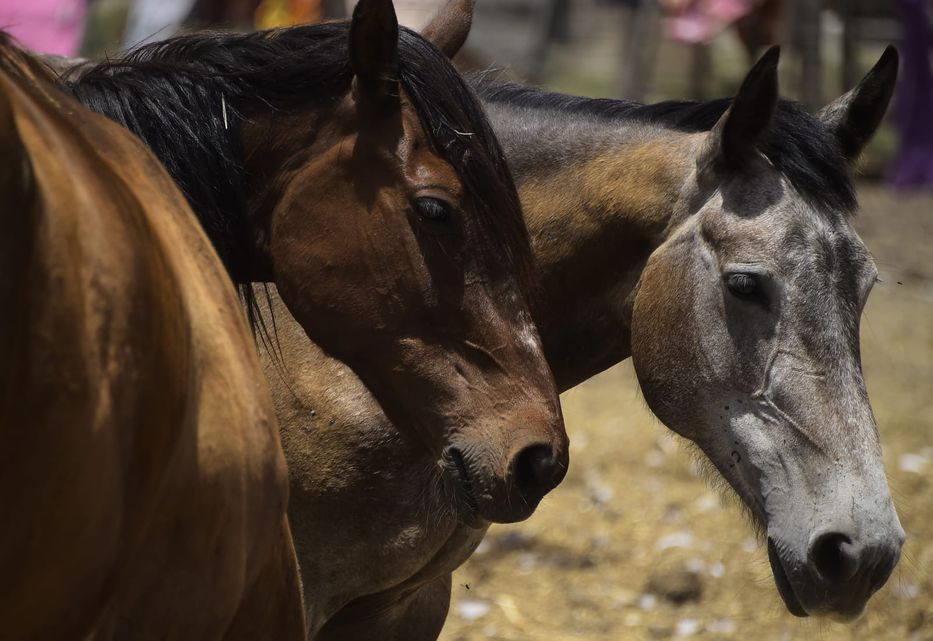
(835, 557)
(536, 471)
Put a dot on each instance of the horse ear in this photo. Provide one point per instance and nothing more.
(854, 117)
(450, 27)
(374, 51)
(736, 134)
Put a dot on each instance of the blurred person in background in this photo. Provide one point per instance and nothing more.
(699, 21)
(46, 26)
(154, 20)
(284, 13)
(913, 107)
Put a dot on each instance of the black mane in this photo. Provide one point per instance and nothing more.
(796, 143)
(186, 98)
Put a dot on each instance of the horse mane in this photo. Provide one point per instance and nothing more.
(187, 97)
(796, 143)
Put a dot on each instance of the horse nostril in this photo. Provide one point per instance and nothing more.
(834, 556)
(536, 471)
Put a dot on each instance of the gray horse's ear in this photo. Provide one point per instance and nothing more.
(448, 30)
(735, 136)
(374, 52)
(854, 117)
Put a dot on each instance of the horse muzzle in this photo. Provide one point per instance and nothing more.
(837, 573)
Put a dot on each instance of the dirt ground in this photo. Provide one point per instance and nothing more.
(633, 506)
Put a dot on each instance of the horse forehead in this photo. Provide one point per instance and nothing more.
(791, 234)
(422, 163)
(409, 148)
(815, 243)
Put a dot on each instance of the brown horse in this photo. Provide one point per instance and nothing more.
(712, 244)
(353, 167)
(142, 483)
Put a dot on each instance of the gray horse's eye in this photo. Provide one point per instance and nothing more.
(744, 285)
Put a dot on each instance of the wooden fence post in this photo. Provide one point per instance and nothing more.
(809, 24)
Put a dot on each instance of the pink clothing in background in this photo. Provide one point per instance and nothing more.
(47, 26)
(696, 21)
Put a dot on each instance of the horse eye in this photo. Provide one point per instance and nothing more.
(432, 210)
(742, 284)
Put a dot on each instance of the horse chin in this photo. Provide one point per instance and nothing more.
(465, 504)
(466, 507)
(784, 587)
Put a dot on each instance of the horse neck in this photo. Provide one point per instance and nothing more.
(597, 196)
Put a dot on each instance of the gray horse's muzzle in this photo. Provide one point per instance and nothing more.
(837, 573)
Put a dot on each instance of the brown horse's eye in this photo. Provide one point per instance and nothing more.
(744, 285)
(432, 210)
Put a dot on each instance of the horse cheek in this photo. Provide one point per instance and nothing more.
(665, 350)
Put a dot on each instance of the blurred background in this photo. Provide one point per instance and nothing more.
(635, 544)
(642, 50)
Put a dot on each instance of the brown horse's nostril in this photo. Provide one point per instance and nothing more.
(536, 471)
(834, 557)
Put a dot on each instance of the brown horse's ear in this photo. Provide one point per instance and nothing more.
(854, 117)
(374, 52)
(735, 136)
(450, 27)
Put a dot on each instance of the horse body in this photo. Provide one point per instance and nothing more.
(141, 461)
(653, 243)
